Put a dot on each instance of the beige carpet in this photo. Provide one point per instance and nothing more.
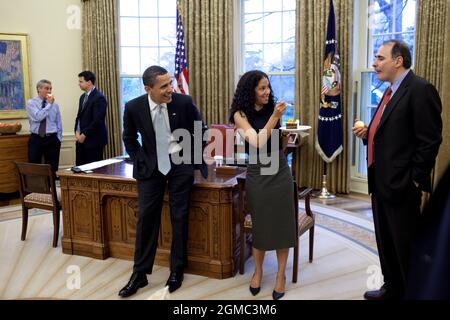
(344, 261)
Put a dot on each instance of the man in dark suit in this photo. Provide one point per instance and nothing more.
(90, 128)
(156, 115)
(403, 141)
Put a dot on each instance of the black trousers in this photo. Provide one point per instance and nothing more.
(87, 155)
(179, 182)
(395, 226)
(48, 147)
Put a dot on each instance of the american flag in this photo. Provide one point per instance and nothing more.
(181, 69)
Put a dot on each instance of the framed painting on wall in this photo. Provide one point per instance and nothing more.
(14, 75)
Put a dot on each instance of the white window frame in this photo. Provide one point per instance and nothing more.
(358, 183)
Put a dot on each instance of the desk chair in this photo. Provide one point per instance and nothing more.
(38, 190)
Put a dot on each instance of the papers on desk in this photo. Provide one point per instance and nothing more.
(98, 164)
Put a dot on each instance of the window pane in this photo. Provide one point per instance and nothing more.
(380, 17)
(377, 89)
(129, 31)
(377, 41)
(167, 8)
(148, 8)
(283, 87)
(289, 26)
(149, 57)
(167, 32)
(289, 4)
(288, 57)
(408, 16)
(167, 59)
(253, 56)
(272, 57)
(130, 60)
(253, 6)
(149, 31)
(131, 88)
(272, 27)
(253, 28)
(129, 8)
(272, 5)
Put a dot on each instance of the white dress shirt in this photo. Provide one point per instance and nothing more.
(173, 144)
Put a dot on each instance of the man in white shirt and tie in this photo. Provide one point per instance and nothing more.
(45, 126)
(156, 115)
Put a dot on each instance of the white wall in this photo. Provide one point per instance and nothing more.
(55, 54)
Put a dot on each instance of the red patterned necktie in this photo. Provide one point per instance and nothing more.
(375, 123)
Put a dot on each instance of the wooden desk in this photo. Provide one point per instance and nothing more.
(100, 213)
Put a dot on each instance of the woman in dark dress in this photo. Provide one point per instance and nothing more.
(269, 184)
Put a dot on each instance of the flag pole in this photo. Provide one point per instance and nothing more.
(323, 193)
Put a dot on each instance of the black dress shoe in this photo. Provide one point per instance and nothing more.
(175, 280)
(137, 280)
(383, 294)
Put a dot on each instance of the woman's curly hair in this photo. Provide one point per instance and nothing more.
(244, 97)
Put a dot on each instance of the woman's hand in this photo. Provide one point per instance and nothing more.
(280, 109)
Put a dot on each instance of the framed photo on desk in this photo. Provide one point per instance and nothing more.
(14, 75)
(292, 138)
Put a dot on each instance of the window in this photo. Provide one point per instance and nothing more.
(268, 44)
(384, 20)
(390, 19)
(147, 37)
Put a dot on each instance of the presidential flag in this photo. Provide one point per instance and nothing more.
(181, 70)
(329, 126)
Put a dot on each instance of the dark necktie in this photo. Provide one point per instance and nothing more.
(84, 101)
(374, 125)
(43, 125)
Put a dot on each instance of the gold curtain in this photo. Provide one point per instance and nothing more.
(209, 43)
(100, 55)
(312, 17)
(432, 62)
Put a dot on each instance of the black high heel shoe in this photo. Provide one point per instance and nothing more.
(254, 291)
(278, 295)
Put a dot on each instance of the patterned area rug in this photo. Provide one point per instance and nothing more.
(346, 224)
